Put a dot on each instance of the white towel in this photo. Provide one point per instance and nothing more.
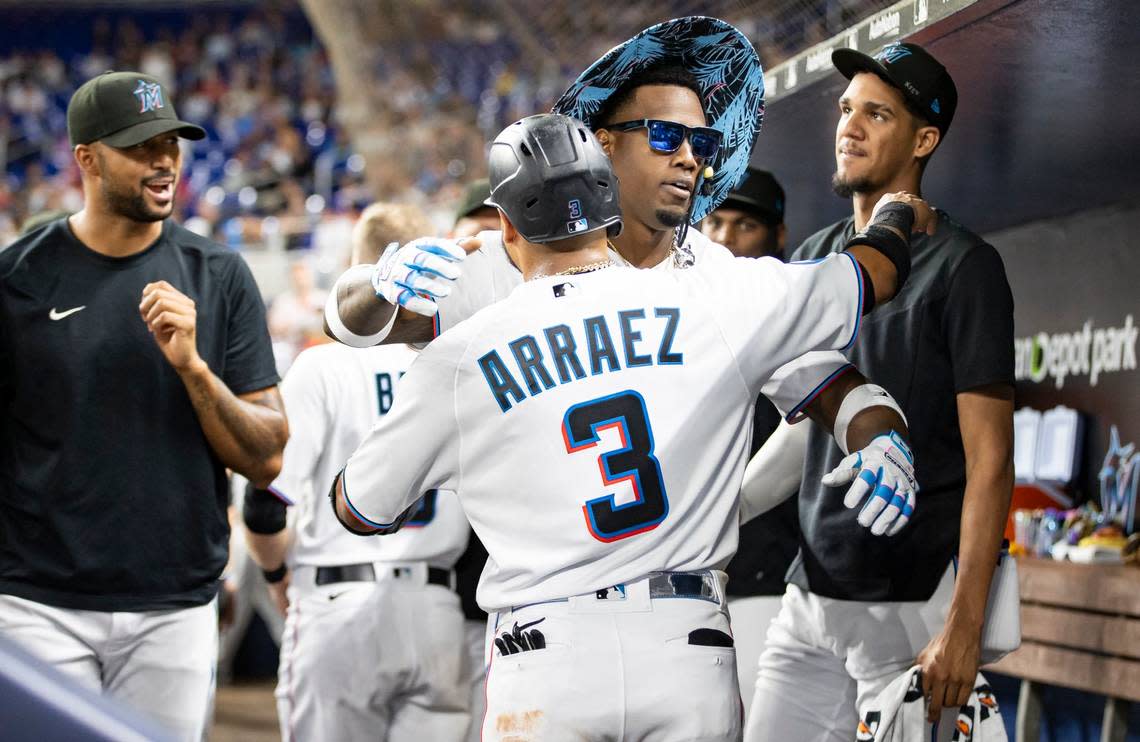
(898, 714)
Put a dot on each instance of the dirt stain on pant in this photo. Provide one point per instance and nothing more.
(518, 727)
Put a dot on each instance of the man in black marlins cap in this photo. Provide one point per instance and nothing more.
(135, 367)
(750, 222)
(859, 609)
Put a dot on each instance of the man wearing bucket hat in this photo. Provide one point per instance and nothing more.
(705, 123)
(135, 368)
(860, 611)
(677, 109)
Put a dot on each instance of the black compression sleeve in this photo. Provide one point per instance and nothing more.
(895, 248)
(868, 290)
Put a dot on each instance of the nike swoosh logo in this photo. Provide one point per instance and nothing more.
(55, 314)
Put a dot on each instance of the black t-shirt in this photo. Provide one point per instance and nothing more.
(110, 496)
(767, 543)
(949, 330)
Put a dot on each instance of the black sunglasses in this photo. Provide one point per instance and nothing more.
(667, 136)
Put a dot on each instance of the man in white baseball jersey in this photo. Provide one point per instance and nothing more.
(372, 647)
(642, 99)
(595, 425)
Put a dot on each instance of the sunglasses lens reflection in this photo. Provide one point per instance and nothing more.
(704, 145)
(665, 136)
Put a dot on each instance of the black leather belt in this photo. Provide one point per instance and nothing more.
(367, 573)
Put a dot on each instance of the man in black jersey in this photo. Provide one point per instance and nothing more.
(861, 609)
(135, 367)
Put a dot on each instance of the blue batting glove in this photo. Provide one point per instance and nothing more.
(883, 481)
(416, 275)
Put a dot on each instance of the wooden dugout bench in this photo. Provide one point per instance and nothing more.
(1080, 628)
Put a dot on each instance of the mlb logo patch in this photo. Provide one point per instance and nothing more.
(617, 592)
(580, 225)
(149, 95)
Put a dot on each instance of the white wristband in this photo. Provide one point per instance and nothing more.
(332, 313)
(857, 400)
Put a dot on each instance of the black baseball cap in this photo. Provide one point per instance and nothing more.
(758, 193)
(475, 196)
(923, 80)
(123, 109)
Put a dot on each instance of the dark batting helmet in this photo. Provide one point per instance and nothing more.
(552, 179)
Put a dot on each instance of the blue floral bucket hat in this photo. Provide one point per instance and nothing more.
(726, 67)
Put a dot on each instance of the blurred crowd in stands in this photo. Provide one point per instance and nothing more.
(277, 173)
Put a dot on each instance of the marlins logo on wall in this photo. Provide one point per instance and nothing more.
(149, 95)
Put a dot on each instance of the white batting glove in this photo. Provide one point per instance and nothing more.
(884, 482)
(417, 274)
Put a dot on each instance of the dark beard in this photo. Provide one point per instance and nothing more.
(848, 188)
(670, 218)
(130, 204)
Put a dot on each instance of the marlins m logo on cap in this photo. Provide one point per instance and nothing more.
(149, 95)
(892, 53)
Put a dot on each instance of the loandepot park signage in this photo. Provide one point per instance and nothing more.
(1088, 352)
(896, 22)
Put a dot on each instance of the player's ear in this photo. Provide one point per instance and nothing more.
(510, 234)
(85, 156)
(782, 236)
(926, 139)
(606, 140)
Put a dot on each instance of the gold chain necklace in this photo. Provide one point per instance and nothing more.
(682, 256)
(575, 270)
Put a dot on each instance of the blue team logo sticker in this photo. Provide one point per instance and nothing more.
(575, 207)
(892, 53)
(581, 225)
(149, 95)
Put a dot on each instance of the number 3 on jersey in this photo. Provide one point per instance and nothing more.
(633, 462)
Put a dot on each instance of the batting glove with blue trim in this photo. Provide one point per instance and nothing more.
(416, 275)
(883, 476)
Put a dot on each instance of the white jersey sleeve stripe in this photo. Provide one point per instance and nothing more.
(359, 515)
(859, 306)
(797, 413)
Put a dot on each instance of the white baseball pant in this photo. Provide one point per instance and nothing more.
(476, 640)
(614, 669)
(378, 660)
(827, 659)
(751, 617)
(160, 663)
